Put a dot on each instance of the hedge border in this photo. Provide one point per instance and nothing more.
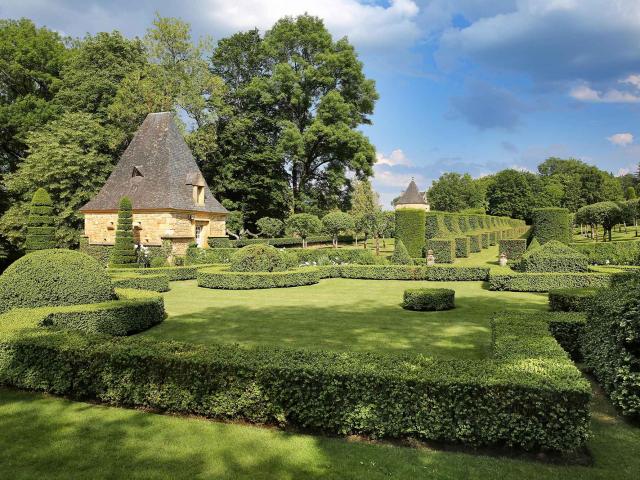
(227, 280)
(505, 279)
(428, 299)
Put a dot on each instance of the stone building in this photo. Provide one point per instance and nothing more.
(412, 198)
(171, 200)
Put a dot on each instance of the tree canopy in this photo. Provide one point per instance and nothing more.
(453, 192)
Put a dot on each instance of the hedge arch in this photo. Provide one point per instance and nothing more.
(410, 228)
(551, 224)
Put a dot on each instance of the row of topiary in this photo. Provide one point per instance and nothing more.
(451, 235)
(500, 401)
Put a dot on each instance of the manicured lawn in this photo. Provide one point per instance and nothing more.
(48, 437)
(339, 314)
(616, 236)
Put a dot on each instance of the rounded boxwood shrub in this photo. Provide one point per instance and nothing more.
(261, 258)
(52, 278)
(429, 299)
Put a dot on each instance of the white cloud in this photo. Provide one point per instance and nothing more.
(621, 139)
(584, 93)
(387, 178)
(366, 24)
(622, 172)
(397, 157)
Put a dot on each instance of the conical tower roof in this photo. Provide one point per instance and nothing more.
(156, 171)
(411, 196)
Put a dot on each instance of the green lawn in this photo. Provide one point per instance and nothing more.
(616, 235)
(48, 437)
(339, 314)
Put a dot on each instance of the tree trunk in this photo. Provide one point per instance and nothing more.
(356, 236)
(335, 241)
(377, 241)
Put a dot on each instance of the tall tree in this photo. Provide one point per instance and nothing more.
(30, 63)
(296, 98)
(453, 192)
(512, 193)
(70, 157)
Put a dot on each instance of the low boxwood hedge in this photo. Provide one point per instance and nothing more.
(614, 253)
(442, 273)
(429, 299)
(553, 256)
(611, 344)
(444, 249)
(567, 329)
(174, 274)
(528, 394)
(333, 255)
(228, 280)
(507, 280)
(570, 299)
(513, 248)
(290, 241)
(154, 283)
(133, 312)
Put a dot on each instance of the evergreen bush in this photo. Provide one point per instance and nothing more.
(261, 258)
(123, 253)
(400, 254)
(410, 228)
(429, 299)
(553, 256)
(41, 223)
(54, 277)
(551, 224)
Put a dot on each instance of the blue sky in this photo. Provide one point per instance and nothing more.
(465, 85)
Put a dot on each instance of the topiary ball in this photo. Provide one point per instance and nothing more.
(261, 258)
(54, 277)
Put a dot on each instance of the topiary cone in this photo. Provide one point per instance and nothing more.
(41, 223)
(123, 253)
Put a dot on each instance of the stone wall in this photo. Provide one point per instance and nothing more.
(419, 206)
(151, 228)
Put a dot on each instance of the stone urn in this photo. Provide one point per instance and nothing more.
(503, 260)
(431, 260)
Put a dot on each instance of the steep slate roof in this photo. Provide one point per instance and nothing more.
(411, 195)
(156, 171)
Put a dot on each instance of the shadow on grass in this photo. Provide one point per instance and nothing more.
(463, 332)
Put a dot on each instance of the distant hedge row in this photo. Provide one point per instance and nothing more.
(507, 280)
(227, 280)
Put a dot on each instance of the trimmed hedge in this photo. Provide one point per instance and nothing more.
(570, 299)
(611, 345)
(41, 228)
(154, 283)
(428, 299)
(528, 395)
(442, 273)
(219, 242)
(290, 241)
(616, 253)
(553, 256)
(484, 238)
(435, 226)
(514, 248)
(463, 247)
(333, 256)
(261, 258)
(551, 224)
(567, 329)
(506, 279)
(410, 228)
(400, 255)
(133, 312)
(228, 280)
(444, 249)
(123, 253)
(54, 277)
(475, 243)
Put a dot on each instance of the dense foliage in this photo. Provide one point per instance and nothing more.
(428, 299)
(270, 227)
(615, 253)
(41, 223)
(444, 249)
(123, 253)
(553, 256)
(410, 228)
(502, 401)
(611, 344)
(453, 192)
(303, 225)
(551, 224)
(54, 277)
(261, 258)
(570, 299)
(247, 280)
(337, 222)
(506, 279)
(400, 254)
(155, 283)
(513, 248)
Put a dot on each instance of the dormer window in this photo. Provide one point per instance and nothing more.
(198, 194)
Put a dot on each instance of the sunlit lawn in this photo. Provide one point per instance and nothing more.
(617, 235)
(339, 314)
